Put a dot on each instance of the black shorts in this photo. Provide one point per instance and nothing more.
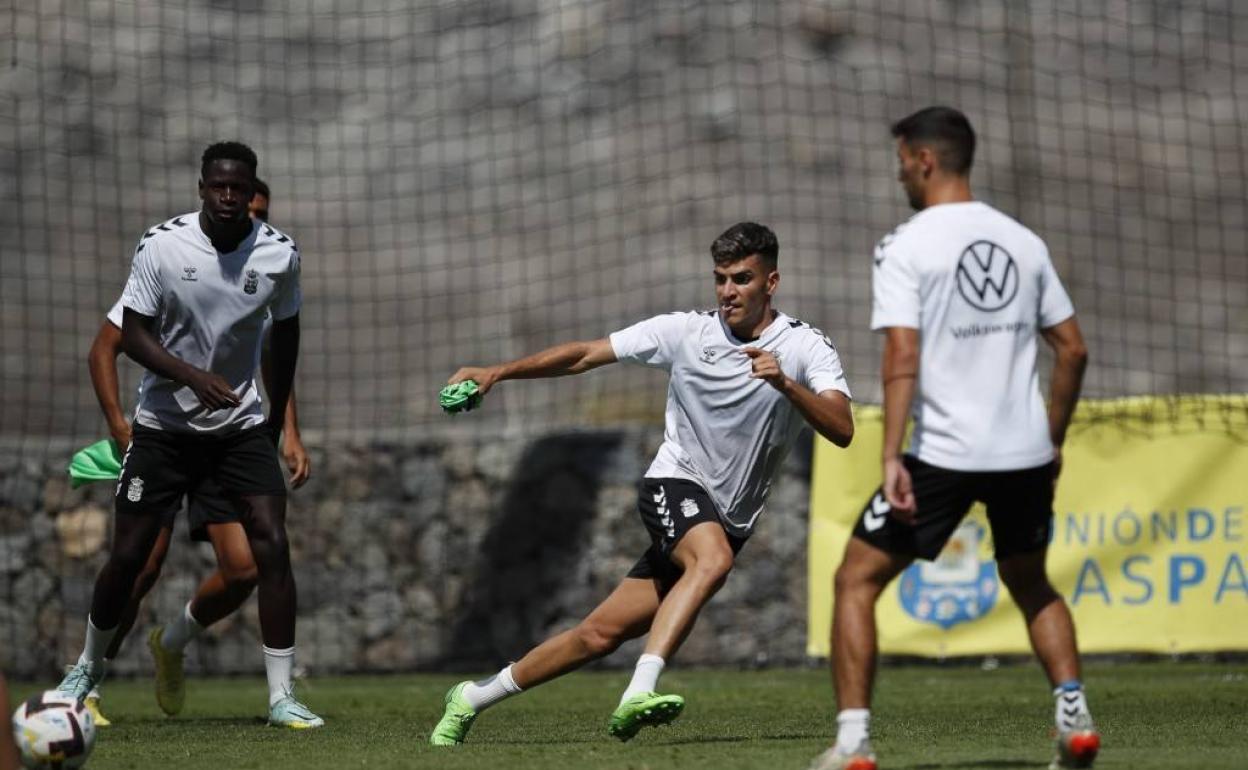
(214, 473)
(669, 508)
(206, 505)
(1020, 510)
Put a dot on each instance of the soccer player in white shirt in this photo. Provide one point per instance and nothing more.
(744, 381)
(211, 517)
(962, 293)
(201, 289)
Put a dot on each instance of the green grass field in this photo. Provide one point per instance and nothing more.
(1162, 715)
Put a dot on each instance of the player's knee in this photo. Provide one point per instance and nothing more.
(852, 583)
(241, 579)
(147, 578)
(1031, 593)
(597, 639)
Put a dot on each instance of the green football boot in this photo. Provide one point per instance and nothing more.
(452, 728)
(645, 709)
(170, 679)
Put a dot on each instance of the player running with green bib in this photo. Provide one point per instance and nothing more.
(745, 380)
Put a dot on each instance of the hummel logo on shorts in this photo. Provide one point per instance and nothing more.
(873, 518)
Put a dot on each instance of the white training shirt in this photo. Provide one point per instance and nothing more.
(979, 287)
(724, 430)
(211, 310)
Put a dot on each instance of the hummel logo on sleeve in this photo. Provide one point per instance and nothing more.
(873, 518)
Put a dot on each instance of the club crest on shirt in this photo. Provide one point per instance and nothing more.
(252, 282)
(955, 588)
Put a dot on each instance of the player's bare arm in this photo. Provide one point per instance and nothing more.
(294, 453)
(827, 412)
(139, 342)
(1071, 361)
(283, 356)
(102, 363)
(899, 374)
(558, 361)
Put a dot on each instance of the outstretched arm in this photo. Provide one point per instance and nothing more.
(1072, 359)
(102, 363)
(827, 412)
(559, 361)
(140, 343)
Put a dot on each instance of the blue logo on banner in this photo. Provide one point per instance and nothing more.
(955, 588)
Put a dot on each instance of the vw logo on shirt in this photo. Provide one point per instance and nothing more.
(987, 276)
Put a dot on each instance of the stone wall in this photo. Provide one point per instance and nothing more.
(446, 554)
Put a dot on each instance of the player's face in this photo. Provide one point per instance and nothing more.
(259, 208)
(226, 191)
(911, 172)
(743, 290)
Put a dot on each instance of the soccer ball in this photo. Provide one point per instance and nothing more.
(53, 731)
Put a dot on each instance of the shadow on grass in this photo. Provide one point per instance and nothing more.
(189, 723)
(980, 763)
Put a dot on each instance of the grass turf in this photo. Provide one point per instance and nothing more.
(1158, 715)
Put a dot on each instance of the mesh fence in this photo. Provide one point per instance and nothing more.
(469, 181)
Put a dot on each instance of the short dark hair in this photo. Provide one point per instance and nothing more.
(946, 131)
(262, 187)
(744, 239)
(228, 151)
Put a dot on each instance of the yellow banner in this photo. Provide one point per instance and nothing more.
(1150, 542)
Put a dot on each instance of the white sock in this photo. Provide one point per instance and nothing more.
(487, 692)
(277, 667)
(97, 643)
(180, 631)
(852, 728)
(645, 676)
(1071, 709)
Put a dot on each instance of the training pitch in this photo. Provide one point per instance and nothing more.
(1157, 715)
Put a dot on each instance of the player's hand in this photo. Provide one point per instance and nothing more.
(484, 376)
(297, 460)
(899, 492)
(213, 391)
(121, 435)
(765, 366)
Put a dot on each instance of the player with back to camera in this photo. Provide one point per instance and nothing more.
(962, 293)
(211, 517)
(201, 290)
(744, 381)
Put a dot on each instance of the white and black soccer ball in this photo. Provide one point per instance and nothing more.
(53, 731)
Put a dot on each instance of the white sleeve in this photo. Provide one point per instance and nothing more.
(116, 313)
(652, 342)
(1055, 304)
(289, 295)
(145, 288)
(823, 366)
(895, 294)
